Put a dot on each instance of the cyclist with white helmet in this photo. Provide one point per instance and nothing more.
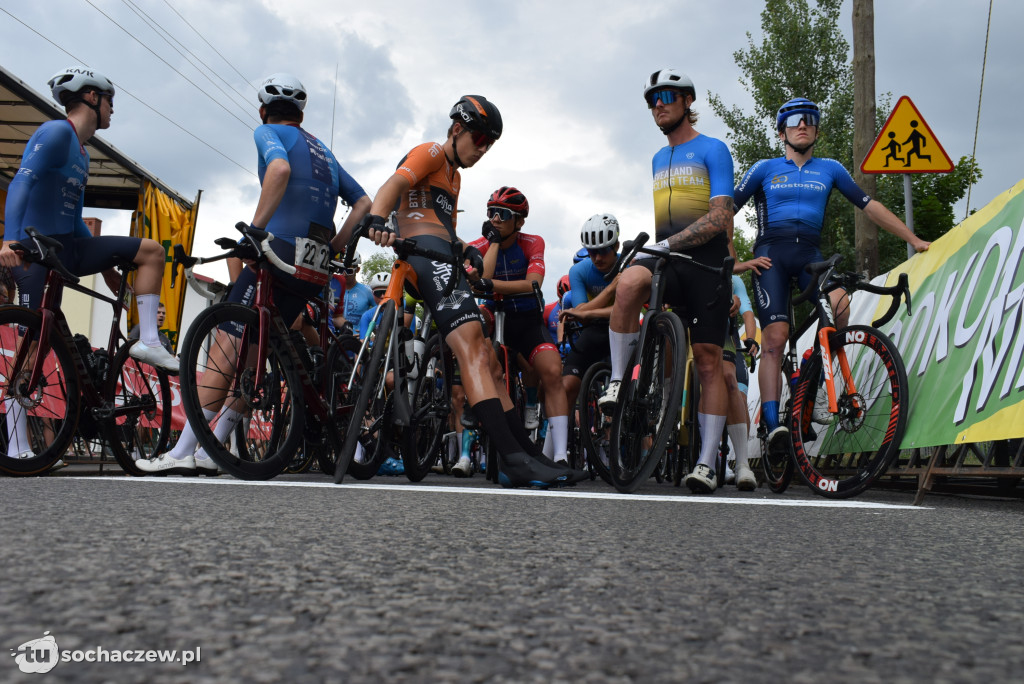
(378, 286)
(423, 192)
(790, 194)
(600, 238)
(693, 177)
(48, 193)
(301, 182)
(352, 297)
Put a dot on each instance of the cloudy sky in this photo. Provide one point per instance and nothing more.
(567, 76)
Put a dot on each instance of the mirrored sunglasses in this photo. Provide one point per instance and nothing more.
(666, 96)
(503, 213)
(793, 120)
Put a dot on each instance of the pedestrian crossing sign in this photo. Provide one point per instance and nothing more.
(906, 145)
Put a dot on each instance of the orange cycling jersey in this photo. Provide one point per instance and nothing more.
(434, 195)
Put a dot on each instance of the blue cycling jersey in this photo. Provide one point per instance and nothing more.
(55, 165)
(740, 290)
(551, 312)
(585, 281)
(358, 300)
(790, 200)
(314, 184)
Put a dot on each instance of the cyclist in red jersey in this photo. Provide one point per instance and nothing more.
(423, 192)
(510, 268)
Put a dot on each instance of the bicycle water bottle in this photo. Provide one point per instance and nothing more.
(414, 350)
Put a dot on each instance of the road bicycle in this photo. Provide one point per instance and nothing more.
(401, 394)
(848, 410)
(245, 357)
(66, 389)
(646, 414)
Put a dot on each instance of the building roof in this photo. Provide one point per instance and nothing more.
(114, 178)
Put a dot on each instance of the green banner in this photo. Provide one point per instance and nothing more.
(963, 348)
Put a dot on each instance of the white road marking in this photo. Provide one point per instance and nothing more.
(495, 491)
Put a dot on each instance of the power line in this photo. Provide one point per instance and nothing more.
(208, 43)
(167, 38)
(169, 65)
(129, 94)
(977, 120)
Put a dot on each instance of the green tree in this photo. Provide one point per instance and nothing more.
(802, 53)
(378, 262)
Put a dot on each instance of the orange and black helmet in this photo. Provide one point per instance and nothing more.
(477, 114)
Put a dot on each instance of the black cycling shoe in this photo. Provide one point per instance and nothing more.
(519, 469)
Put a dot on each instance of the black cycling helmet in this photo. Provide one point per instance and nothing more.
(477, 114)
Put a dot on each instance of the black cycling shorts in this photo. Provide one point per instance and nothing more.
(459, 307)
(526, 333)
(688, 291)
(591, 346)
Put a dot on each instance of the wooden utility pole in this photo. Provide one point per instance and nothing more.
(866, 241)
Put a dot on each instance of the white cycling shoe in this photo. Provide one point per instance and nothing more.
(157, 356)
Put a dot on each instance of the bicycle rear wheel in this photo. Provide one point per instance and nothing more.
(369, 410)
(431, 406)
(841, 454)
(141, 396)
(648, 407)
(221, 345)
(595, 426)
(47, 412)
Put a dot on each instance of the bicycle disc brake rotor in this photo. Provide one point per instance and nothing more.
(257, 396)
(851, 412)
(17, 390)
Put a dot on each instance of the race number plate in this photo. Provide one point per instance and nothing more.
(312, 260)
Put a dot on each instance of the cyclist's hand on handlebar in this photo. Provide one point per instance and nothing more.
(474, 258)
(8, 257)
(752, 347)
(376, 229)
(661, 247)
(484, 285)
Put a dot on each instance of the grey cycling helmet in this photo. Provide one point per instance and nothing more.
(669, 78)
(283, 87)
(600, 231)
(74, 79)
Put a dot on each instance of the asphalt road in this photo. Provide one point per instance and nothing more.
(299, 580)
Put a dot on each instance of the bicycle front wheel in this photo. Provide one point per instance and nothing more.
(141, 397)
(42, 417)
(595, 426)
(431, 406)
(647, 411)
(841, 454)
(219, 362)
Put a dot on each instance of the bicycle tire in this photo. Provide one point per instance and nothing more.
(141, 396)
(369, 413)
(52, 410)
(271, 429)
(340, 359)
(777, 469)
(595, 426)
(649, 400)
(431, 401)
(689, 437)
(841, 456)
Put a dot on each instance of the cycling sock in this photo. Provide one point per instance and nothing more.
(549, 444)
(738, 436)
(17, 429)
(560, 429)
(531, 396)
(494, 420)
(770, 414)
(225, 424)
(148, 332)
(466, 438)
(187, 442)
(710, 438)
(523, 440)
(621, 345)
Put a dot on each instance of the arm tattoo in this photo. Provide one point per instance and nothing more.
(717, 220)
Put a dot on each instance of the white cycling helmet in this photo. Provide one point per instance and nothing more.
(600, 230)
(669, 78)
(285, 87)
(379, 280)
(357, 260)
(76, 78)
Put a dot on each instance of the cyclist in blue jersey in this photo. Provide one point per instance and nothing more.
(353, 298)
(301, 182)
(790, 194)
(48, 193)
(552, 310)
(693, 211)
(600, 237)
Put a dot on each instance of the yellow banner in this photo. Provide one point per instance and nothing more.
(161, 218)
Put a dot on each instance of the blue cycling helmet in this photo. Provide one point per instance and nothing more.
(797, 108)
(580, 256)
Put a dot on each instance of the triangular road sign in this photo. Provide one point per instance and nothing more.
(906, 145)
